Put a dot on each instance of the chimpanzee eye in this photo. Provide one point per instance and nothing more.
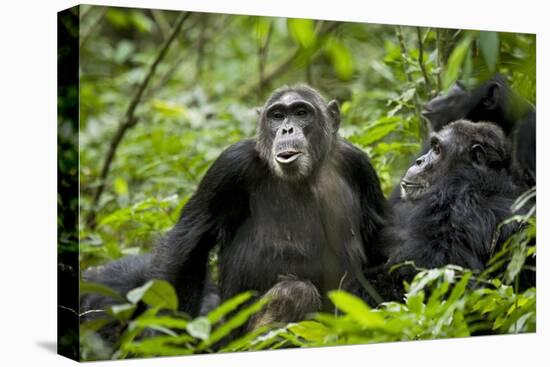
(277, 115)
(436, 149)
(301, 112)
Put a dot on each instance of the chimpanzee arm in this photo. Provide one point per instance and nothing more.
(363, 177)
(211, 216)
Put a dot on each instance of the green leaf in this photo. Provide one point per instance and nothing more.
(311, 331)
(122, 312)
(302, 31)
(162, 321)
(117, 18)
(456, 59)
(341, 58)
(236, 321)
(90, 287)
(120, 186)
(155, 293)
(228, 306)
(379, 130)
(199, 328)
(357, 309)
(415, 302)
(516, 263)
(489, 44)
(246, 340)
(141, 22)
(168, 109)
(161, 346)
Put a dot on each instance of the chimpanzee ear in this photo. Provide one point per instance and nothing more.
(477, 152)
(334, 111)
(491, 99)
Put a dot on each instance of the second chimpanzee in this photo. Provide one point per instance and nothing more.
(452, 200)
(493, 101)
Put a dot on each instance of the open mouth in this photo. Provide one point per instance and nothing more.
(411, 185)
(288, 156)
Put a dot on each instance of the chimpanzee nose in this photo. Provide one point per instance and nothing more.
(419, 161)
(288, 130)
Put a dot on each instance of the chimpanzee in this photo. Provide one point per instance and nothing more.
(452, 200)
(297, 201)
(494, 101)
(296, 212)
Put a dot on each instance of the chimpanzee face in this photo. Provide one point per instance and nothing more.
(460, 148)
(290, 120)
(425, 170)
(296, 132)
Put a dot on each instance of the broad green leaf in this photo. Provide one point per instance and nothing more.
(357, 309)
(415, 302)
(199, 328)
(155, 293)
(161, 346)
(302, 31)
(379, 130)
(233, 323)
(163, 321)
(120, 186)
(456, 59)
(311, 331)
(341, 58)
(516, 264)
(246, 340)
(228, 306)
(141, 22)
(117, 18)
(459, 288)
(169, 109)
(122, 312)
(90, 287)
(489, 44)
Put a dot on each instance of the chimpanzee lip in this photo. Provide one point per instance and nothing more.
(410, 184)
(288, 156)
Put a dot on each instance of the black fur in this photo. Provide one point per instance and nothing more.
(319, 226)
(297, 201)
(494, 101)
(464, 192)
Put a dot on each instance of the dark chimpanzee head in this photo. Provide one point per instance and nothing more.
(489, 102)
(296, 131)
(459, 150)
(448, 107)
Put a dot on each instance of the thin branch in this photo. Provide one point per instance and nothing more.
(163, 25)
(404, 54)
(263, 48)
(130, 118)
(282, 67)
(439, 59)
(201, 47)
(421, 57)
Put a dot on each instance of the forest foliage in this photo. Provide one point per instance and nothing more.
(144, 146)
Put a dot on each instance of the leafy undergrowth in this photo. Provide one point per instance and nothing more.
(451, 310)
(447, 302)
